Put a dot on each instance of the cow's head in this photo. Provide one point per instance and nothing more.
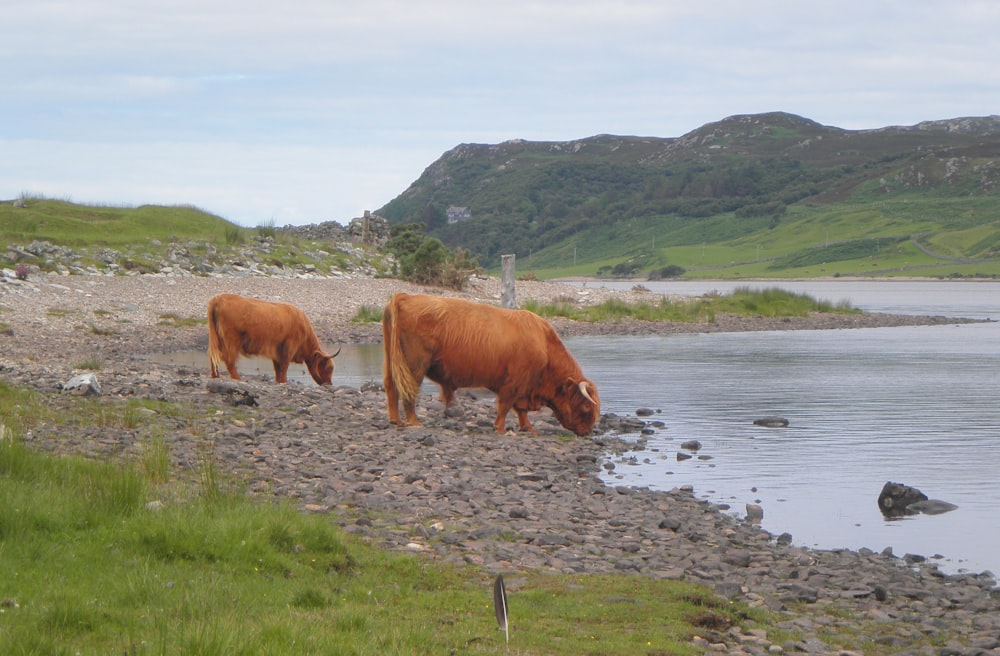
(320, 366)
(577, 405)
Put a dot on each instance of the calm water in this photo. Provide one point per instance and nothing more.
(912, 405)
(915, 405)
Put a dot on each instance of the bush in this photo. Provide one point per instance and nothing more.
(426, 260)
(22, 271)
(669, 271)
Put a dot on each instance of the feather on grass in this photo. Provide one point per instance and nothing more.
(500, 606)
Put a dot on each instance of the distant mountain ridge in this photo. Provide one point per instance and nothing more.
(530, 197)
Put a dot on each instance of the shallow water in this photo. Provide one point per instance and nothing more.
(911, 405)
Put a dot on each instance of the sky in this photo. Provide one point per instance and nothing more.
(303, 111)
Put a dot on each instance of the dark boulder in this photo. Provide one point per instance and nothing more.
(897, 500)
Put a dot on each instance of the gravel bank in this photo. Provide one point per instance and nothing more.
(452, 489)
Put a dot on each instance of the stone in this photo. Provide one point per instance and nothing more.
(83, 384)
(894, 499)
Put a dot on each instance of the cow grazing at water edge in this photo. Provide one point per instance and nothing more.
(514, 353)
(279, 332)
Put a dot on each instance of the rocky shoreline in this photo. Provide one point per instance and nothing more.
(452, 489)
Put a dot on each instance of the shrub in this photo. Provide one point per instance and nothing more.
(235, 236)
(669, 271)
(368, 314)
(426, 260)
(22, 271)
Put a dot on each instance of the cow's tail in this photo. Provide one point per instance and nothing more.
(394, 365)
(214, 339)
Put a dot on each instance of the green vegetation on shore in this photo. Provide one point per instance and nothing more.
(743, 301)
(131, 557)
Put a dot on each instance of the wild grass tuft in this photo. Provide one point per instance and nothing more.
(267, 229)
(777, 302)
(103, 331)
(235, 235)
(155, 457)
(175, 321)
(368, 314)
(91, 363)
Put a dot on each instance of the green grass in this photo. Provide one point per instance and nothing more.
(74, 225)
(91, 363)
(175, 321)
(117, 556)
(148, 235)
(849, 238)
(771, 302)
(368, 314)
(134, 556)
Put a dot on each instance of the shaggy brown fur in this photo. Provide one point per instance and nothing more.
(514, 353)
(279, 332)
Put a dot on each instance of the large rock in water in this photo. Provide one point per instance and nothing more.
(897, 500)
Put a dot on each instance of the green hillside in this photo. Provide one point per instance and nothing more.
(184, 240)
(771, 195)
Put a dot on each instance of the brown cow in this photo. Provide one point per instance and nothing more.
(279, 332)
(514, 353)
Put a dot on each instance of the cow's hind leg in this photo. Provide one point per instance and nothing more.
(392, 400)
(410, 412)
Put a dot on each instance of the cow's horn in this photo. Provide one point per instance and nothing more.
(583, 390)
(337, 353)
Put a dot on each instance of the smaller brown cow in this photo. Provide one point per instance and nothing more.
(279, 332)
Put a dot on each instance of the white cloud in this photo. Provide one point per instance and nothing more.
(319, 109)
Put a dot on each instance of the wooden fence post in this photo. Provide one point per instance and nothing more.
(507, 296)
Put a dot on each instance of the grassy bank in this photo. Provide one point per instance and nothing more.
(131, 557)
(744, 301)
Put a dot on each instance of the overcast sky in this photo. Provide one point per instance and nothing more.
(310, 110)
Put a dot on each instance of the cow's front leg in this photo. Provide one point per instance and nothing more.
(503, 407)
(522, 421)
(280, 371)
(231, 368)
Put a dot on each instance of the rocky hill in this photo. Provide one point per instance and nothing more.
(523, 197)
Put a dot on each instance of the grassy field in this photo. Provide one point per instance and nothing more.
(935, 237)
(100, 557)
